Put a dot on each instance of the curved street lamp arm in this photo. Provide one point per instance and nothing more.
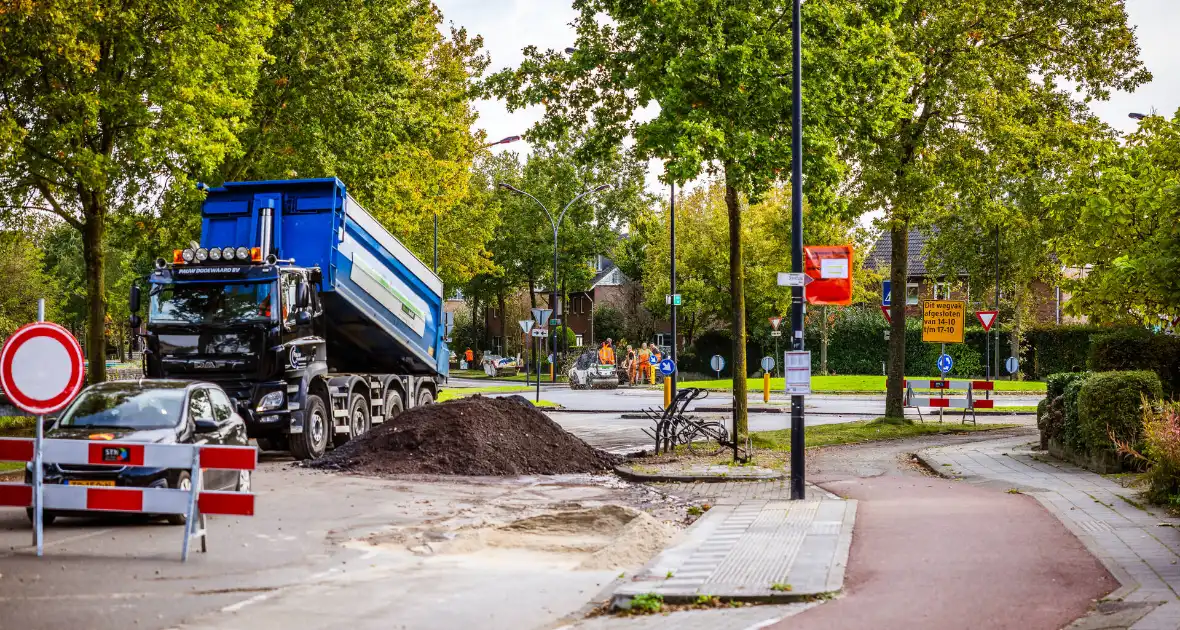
(575, 200)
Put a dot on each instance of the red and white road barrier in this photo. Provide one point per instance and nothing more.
(951, 403)
(194, 503)
(969, 403)
(949, 384)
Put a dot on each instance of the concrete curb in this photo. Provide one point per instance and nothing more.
(631, 475)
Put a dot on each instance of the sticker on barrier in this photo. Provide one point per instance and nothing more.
(194, 503)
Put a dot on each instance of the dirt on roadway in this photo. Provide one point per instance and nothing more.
(934, 553)
(470, 436)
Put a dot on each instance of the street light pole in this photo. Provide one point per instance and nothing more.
(798, 441)
(556, 224)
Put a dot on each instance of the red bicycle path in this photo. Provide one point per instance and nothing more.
(942, 554)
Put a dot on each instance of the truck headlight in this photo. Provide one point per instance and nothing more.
(215, 254)
(273, 400)
(202, 254)
(227, 253)
(242, 253)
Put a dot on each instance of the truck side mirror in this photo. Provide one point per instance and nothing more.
(134, 301)
(303, 294)
(134, 320)
(303, 317)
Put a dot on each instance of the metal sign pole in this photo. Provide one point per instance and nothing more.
(537, 358)
(38, 468)
(798, 441)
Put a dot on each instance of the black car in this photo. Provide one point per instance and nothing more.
(155, 411)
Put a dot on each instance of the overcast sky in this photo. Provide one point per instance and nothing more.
(507, 26)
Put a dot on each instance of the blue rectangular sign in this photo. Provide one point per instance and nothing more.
(885, 293)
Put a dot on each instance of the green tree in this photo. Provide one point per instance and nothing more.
(25, 281)
(718, 70)
(370, 91)
(968, 71)
(1119, 215)
(99, 102)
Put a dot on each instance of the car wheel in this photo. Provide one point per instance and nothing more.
(243, 481)
(425, 397)
(312, 443)
(393, 405)
(358, 420)
(183, 482)
(47, 517)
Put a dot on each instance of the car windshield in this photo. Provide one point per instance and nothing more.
(210, 303)
(125, 409)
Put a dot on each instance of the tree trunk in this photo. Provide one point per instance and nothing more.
(501, 303)
(823, 340)
(474, 325)
(898, 261)
(532, 292)
(737, 293)
(93, 230)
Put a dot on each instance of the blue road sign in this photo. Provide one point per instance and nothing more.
(667, 367)
(653, 360)
(1012, 364)
(886, 292)
(717, 363)
(945, 363)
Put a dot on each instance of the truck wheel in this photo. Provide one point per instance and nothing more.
(425, 397)
(313, 442)
(358, 419)
(393, 405)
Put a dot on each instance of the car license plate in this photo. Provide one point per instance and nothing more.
(88, 482)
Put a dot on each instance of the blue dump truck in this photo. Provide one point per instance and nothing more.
(314, 318)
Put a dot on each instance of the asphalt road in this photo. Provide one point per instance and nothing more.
(635, 399)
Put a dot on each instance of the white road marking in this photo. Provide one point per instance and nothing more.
(246, 602)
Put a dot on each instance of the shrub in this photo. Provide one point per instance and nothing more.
(1071, 429)
(1110, 407)
(1161, 452)
(1055, 415)
(1043, 422)
(1055, 384)
(1139, 349)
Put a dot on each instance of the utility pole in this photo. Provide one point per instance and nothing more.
(672, 221)
(798, 441)
(997, 357)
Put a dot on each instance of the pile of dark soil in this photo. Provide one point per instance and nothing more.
(470, 436)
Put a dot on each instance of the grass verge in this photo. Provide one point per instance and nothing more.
(852, 383)
(15, 426)
(457, 393)
(864, 431)
(480, 375)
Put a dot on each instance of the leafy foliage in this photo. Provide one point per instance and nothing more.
(1121, 212)
(1110, 407)
(102, 103)
(1138, 349)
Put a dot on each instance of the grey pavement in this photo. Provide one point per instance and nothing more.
(743, 551)
(1140, 546)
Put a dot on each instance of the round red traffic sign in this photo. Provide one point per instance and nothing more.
(41, 368)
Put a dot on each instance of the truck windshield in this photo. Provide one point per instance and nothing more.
(206, 303)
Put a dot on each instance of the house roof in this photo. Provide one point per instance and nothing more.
(882, 252)
(608, 267)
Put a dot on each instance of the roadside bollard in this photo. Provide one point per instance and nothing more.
(667, 393)
(766, 387)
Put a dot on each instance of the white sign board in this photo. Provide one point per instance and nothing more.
(792, 279)
(526, 325)
(540, 332)
(834, 268)
(541, 314)
(797, 369)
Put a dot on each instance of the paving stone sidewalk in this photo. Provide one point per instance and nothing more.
(1139, 546)
(743, 551)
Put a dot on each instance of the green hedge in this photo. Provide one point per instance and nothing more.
(1111, 403)
(1137, 349)
(1071, 427)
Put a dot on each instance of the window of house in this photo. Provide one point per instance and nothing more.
(911, 294)
(942, 290)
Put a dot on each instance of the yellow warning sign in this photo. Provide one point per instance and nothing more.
(943, 321)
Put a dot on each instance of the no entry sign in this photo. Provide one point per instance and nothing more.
(41, 368)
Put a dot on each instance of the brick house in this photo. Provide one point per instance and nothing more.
(921, 284)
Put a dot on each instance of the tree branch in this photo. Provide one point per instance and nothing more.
(43, 188)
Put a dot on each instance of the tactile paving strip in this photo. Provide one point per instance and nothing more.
(765, 553)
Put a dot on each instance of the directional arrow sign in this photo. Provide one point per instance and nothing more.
(987, 318)
(794, 279)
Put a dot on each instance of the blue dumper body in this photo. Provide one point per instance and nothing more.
(382, 306)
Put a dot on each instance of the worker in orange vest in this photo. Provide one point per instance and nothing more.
(642, 362)
(606, 354)
(469, 356)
